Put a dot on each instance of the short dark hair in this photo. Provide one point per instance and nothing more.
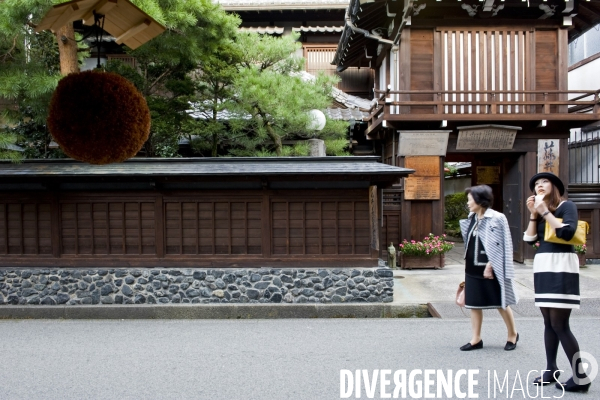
(482, 195)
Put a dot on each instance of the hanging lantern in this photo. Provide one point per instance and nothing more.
(98, 117)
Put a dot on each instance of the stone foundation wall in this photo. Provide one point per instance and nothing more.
(162, 286)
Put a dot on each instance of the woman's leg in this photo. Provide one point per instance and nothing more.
(509, 321)
(551, 340)
(559, 318)
(476, 321)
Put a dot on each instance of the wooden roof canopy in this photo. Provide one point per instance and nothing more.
(122, 19)
(374, 23)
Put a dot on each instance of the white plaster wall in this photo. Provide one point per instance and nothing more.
(585, 77)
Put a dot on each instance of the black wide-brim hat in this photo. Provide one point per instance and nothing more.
(551, 177)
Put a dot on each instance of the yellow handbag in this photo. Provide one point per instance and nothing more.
(579, 238)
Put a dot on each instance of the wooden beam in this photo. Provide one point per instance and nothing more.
(65, 17)
(133, 31)
(102, 7)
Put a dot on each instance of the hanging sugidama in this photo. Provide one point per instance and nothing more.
(98, 117)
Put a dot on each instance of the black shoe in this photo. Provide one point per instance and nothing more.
(469, 346)
(549, 377)
(571, 386)
(510, 345)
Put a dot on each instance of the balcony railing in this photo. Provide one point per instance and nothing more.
(506, 104)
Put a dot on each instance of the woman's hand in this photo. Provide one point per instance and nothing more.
(488, 272)
(540, 205)
(530, 207)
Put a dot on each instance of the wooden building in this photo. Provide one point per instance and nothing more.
(483, 82)
(237, 212)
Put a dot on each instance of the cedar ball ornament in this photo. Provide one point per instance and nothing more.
(98, 117)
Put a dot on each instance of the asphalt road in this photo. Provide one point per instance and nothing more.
(266, 359)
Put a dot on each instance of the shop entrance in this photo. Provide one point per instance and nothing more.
(504, 174)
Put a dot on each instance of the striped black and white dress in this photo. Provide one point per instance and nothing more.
(556, 266)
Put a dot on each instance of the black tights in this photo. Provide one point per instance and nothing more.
(556, 329)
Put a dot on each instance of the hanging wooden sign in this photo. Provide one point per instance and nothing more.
(423, 165)
(422, 188)
(548, 155)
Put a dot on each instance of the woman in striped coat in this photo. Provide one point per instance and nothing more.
(489, 270)
(555, 276)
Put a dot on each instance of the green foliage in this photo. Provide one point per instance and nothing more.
(271, 88)
(455, 210)
(29, 72)
(430, 245)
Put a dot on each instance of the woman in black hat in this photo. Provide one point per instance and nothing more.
(556, 276)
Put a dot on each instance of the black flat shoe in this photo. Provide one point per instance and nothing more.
(549, 377)
(571, 386)
(510, 345)
(469, 346)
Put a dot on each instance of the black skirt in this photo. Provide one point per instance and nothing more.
(480, 293)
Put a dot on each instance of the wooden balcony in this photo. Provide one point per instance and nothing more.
(414, 109)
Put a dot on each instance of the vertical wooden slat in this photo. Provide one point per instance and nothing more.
(159, 235)
(287, 213)
(320, 227)
(438, 67)
(214, 229)
(353, 220)
(123, 223)
(510, 35)
(230, 239)
(37, 229)
(304, 226)
(337, 233)
(532, 62)
(465, 69)
(246, 251)
(473, 69)
(497, 63)
(519, 69)
(266, 225)
(505, 60)
(92, 227)
(490, 76)
(197, 227)
(139, 228)
(457, 62)
(5, 205)
(76, 229)
(449, 47)
(107, 228)
(55, 226)
(482, 70)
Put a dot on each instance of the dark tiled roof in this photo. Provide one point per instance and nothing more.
(346, 114)
(319, 29)
(207, 167)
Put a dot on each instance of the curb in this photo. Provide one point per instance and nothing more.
(217, 311)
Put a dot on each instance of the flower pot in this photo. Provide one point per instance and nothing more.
(410, 262)
(581, 259)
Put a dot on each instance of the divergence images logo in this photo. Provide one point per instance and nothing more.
(588, 366)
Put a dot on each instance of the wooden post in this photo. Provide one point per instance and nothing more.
(374, 219)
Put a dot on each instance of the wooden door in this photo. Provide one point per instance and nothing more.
(512, 187)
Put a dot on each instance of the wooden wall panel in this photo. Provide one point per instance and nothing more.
(111, 227)
(546, 68)
(320, 227)
(421, 66)
(25, 228)
(213, 227)
(421, 226)
(161, 228)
